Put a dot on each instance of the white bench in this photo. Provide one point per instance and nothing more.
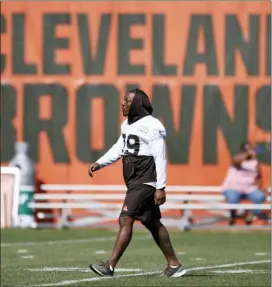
(185, 198)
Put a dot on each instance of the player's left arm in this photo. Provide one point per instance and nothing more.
(111, 156)
(158, 150)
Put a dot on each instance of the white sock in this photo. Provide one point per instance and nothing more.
(111, 269)
(173, 266)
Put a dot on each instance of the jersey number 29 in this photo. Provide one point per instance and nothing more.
(131, 142)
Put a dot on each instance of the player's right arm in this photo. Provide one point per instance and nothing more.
(111, 156)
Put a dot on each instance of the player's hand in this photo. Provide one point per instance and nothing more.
(92, 168)
(159, 197)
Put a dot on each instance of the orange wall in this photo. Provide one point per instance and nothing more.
(177, 24)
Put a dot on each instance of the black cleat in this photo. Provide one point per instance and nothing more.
(174, 272)
(102, 269)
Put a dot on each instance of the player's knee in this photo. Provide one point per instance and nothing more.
(125, 221)
(146, 224)
(150, 225)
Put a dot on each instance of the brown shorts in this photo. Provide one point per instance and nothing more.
(139, 203)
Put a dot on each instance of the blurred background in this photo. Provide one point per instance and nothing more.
(65, 68)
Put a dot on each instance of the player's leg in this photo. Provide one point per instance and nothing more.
(126, 221)
(122, 242)
(123, 239)
(149, 215)
(162, 238)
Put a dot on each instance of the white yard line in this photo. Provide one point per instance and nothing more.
(59, 269)
(71, 282)
(128, 270)
(22, 251)
(86, 240)
(78, 269)
(234, 271)
(181, 253)
(100, 252)
(229, 265)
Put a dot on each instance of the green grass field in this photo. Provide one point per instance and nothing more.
(61, 258)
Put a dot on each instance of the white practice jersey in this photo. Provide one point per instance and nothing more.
(142, 146)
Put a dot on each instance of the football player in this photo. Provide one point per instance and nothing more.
(141, 146)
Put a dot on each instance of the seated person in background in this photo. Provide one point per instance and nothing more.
(243, 181)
